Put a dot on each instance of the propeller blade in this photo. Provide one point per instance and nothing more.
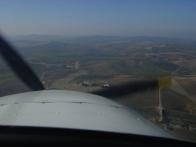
(127, 88)
(19, 66)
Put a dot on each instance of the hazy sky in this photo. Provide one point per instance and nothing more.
(99, 17)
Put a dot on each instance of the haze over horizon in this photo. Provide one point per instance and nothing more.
(168, 18)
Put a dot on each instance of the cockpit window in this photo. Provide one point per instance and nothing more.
(95, 45)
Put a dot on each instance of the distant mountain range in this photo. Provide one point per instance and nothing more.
(94, 39)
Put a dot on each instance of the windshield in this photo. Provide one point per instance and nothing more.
(93, 45)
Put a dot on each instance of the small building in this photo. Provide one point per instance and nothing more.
(86, 83)
(76, 65)
(106, 85)
(69, 67)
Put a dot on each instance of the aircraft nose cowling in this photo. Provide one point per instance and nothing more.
(70, 109)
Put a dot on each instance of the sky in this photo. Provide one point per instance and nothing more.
(170, 18)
